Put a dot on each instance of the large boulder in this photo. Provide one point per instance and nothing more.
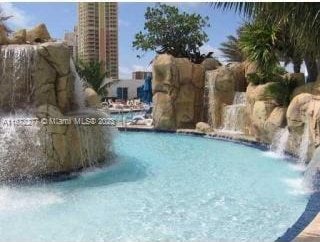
(311, 88)
(38, 34)
(58, 55)
(19, 37)
(276, 120)
(303, 118)
(178, 88)
(210, 64)
(221, 85)
(203, 127)
(259, 107)
(238, 70)
(92, 99)
(3, 35)
(260, 114)
(250, 68)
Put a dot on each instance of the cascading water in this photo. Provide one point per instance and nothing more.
(29, 80)
(279, 142)
(233, 116)
(304, 144)
(18, 132)
(78, 86)
(16, 84)
(211, 102)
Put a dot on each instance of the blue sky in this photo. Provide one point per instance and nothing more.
(61, 17)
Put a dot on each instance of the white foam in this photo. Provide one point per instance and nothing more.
(274, 155)
(12, 199)
(298, 186)
(298, 167)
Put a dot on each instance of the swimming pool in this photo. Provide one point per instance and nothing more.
(162, 187)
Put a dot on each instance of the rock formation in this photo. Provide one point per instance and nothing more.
(37, 86)
(223, 83)
(178, 87)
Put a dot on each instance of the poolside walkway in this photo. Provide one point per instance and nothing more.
(311, 233)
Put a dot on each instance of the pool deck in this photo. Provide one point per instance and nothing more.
(311, 233)
(305, 229)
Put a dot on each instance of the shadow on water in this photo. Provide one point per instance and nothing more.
(124, 169)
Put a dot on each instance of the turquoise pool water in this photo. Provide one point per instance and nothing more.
(163, 187)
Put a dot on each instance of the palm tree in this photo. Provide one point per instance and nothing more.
(258, 42)
(302, 20)
(231, 50)
(91, 72)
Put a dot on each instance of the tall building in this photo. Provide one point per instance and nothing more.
(98, 35)
(70, 39)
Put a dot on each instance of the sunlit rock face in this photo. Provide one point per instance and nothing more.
(178, 87)
(303, 117)
(226, 98)
(36, 82)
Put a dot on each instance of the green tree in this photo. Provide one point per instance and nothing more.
(258, 43)
(91, 73)
(230, 48)
(169, 31)
(302, 21)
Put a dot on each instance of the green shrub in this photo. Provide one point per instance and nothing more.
(263, 77)
(282, 90)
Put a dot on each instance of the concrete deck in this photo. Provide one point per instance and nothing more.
(311, 233)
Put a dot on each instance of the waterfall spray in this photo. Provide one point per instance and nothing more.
(279, 142)
(78, 86)
(233, 116)
(304, 145)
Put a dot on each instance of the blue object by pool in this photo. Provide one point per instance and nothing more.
(163, 187)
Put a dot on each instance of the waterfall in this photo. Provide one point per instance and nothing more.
(304, 144)
(233, 116)
(312, 173)
(78, 86)
(16, 84)
(211, 101)
(279, 141)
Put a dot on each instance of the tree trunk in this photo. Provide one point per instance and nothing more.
(312, 69)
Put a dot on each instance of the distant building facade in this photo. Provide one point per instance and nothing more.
(124, 89)
(70, 39)
(140, 75)
(98, 35)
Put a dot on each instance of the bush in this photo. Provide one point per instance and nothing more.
(262, 77)
(282, 90)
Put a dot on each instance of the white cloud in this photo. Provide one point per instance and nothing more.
(19, 18)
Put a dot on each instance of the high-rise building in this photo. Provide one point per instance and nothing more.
(98, 35)
(70, 39)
